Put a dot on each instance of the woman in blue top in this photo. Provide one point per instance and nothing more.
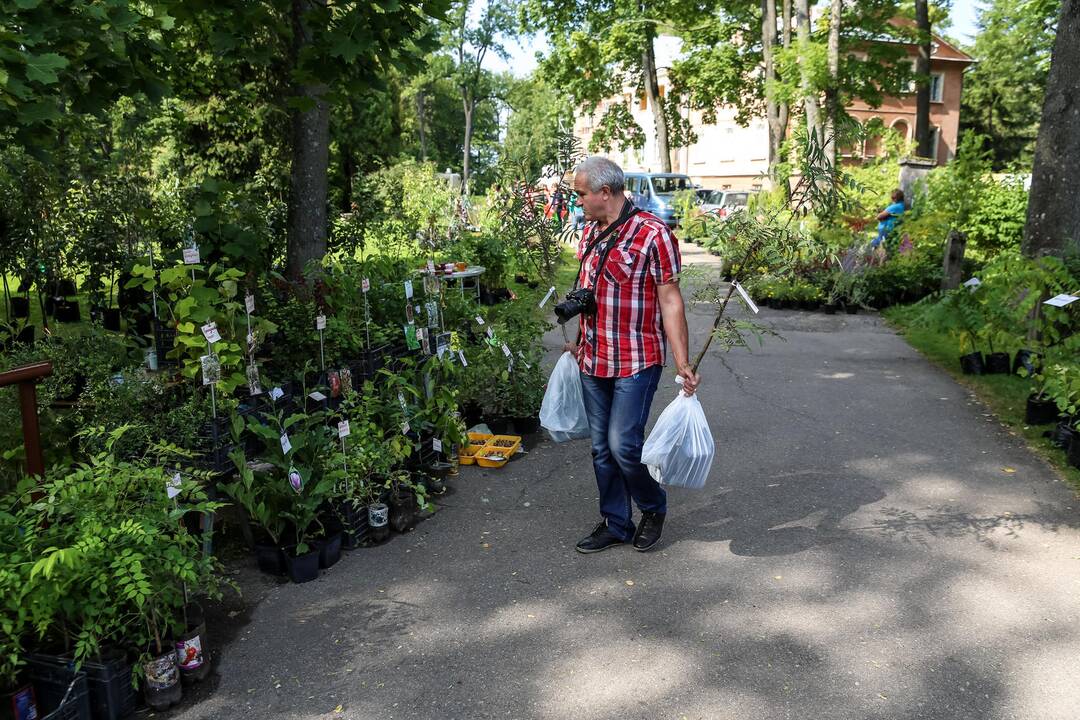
(888, 217)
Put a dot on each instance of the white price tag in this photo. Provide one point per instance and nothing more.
(343, 429)
(317, 396)
(491, 333)
(249, 303)
(320, 322)
(547, 297)
(191, 256)
(436, 445)
(464, 362)
(973, 283)
(746, 297)
(405, 428)
(276, 394)
(286, 446)
(523, 361)
(408, 289)
(172, 486)
(1061, 300)
(479, 320)
(506, 350)
(365, 285)
(210, 332)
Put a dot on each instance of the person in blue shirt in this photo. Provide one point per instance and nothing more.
(888, 217)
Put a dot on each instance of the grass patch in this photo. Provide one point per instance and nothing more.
(1005, 395)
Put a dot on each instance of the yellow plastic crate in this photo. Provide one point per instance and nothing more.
(498, 451)
(477, 442)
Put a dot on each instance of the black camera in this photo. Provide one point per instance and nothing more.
(577, 302)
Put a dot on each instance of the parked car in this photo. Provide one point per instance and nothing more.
(655, 193)
(724, 202)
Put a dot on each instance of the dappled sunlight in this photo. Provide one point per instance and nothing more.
(835, 376)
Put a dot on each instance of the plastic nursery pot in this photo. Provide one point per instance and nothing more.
(161, 688)
(379, 521)
(108, 679)
(997, 364)
(1026, 359)
(526, 425)
(302, 568)
(851, 309)
(110, 319)
(402, 513)
(1073, 453)
(499, 425)
(270, 558)
(19, 704)
(330, 549)
(355, 527)
(829, 308)
(20, 307)
(1062, 433)
(191, 647)
(67, 311)
(61, 692)
(972, 363)
(1040, 410)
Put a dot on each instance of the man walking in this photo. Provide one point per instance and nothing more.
(631, 262)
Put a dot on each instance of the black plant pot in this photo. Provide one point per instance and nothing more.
(1026, 359)
(66, 288)
(972, 363)
(330, 549)
(812, 305)
(110, 319)
(830, 308)
(434, 484)
(161, 687)
(521, 278)
(997, 364)
(851, 309)
(355, 529)
(1073, 453)
(472, 414)
(302, 568)
(526, 425)
(499, 425)
(402, 513)
(25, 336)
(1040, 410)
(143, 325)
(1063, 433)
(61, 691)
(20, 307)
(67, 311)
(191, 647)
(270, 559)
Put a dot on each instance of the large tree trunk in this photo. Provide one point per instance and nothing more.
(310, 158)
(421, 128)
(775, 112)
(924, 136)
(652, 93)
(1053, 216)
(832, 93)
(469, 105)
(810, 94)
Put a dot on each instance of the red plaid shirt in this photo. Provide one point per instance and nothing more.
(626, 335)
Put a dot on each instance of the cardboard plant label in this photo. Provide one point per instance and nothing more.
(320, 322)
(408, 289)
(210, 332)
(254, 386)
(1061, 300)
(191, 255)
(491, 333)
(464, 362)
(276, 394)
(365, 285)
(506, 350)
(249, 303)
(317, 396)
(343, 429)
(973, 283)
(746, 297)
(211, 369)
(172, 486)
(550, 293)
(405, 428)
(410, 337)
(479, 320)
(436, 445)
(432, 310)
(286, 446)
(401, 401)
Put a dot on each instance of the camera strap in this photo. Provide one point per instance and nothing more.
(628, 212)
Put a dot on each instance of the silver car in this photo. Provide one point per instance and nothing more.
(724, 202)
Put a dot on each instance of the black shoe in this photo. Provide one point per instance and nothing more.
(648, 532)
(599, 539)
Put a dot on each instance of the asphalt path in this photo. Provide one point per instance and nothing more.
(871, 544)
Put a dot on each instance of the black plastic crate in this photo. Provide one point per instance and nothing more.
(61, 691)
(112, 696)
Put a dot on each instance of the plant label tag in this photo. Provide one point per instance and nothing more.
(491, 333)
(191, 255)
(276, 394)
(254, 385)
(401, 401)
(365, 285)
(431, 266)
(408, 289)
(210, 332)
(343, 429)
(211, 369)
(479, 320)
(286, 446)
(172, 486)
(523, 361)
(550, 293)
(973, 283)
(249, 303)
(464, 362)
(746, 297)
(506, 350)
(1061, 300)
(405, 428)
(320, 322)
(317, 396)
(436, 445)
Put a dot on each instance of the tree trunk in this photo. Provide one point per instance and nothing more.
(832, 93)
(421, 129)
(469, 104)
(772, 107)
(310, 159)
(652, 93)
(1053, 216)
(810, 94)
(924, 137)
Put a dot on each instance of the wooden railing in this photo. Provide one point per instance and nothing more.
(26, 378)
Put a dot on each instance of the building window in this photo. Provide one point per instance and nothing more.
(937, 87)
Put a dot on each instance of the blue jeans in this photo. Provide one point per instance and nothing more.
(618, 409)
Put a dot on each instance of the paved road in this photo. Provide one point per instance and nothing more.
(870, 545)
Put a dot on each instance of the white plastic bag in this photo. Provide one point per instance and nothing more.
(679, 451)
(562, 413)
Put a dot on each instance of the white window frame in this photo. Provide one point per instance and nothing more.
(937, 80)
